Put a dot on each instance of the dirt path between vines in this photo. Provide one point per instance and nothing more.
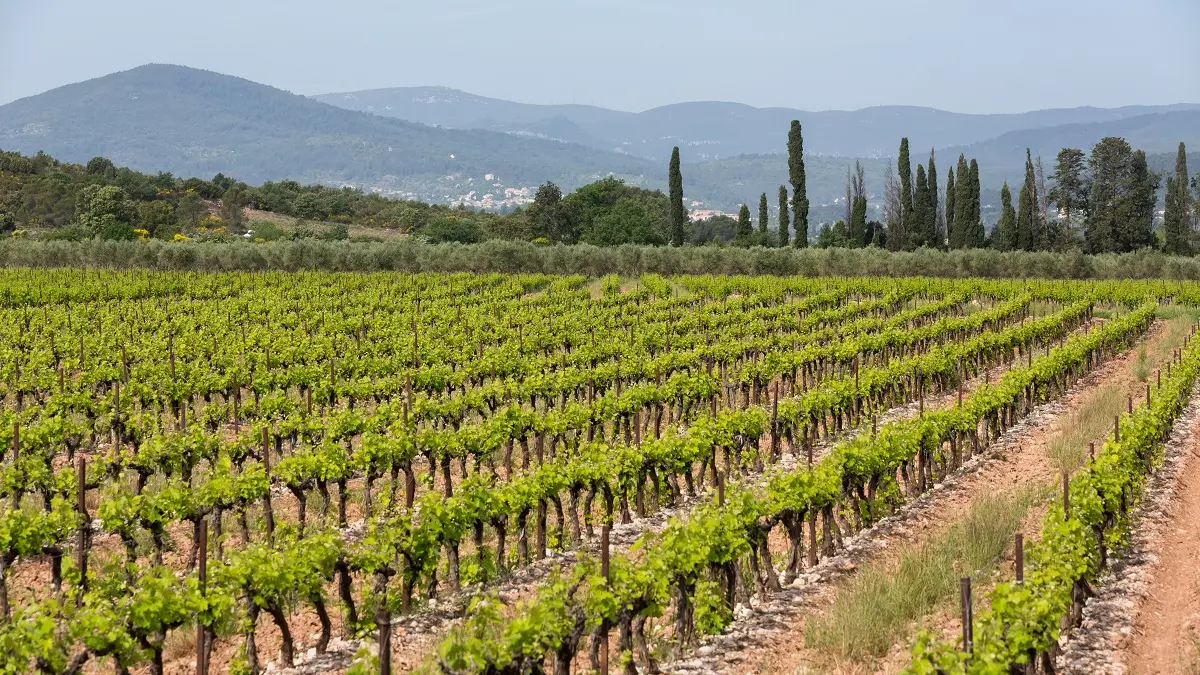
(1166, 630)
(772, 637)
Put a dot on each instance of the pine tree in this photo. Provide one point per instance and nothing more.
(1070, 189)
(799, 190)
(917, 232)
(904, 168)
(1108, 164)
(952, 232)
(937, 227)
(1005, 235)
(678, 213)
(745, 229)
(763, 218)
(1177, 220)
(975, 233)
(962, 203)
(783, 215)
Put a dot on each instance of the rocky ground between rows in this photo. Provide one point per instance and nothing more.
(1100, 645)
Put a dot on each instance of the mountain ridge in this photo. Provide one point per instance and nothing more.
(188, 121)
(707, 130)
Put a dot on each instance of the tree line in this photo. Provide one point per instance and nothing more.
(1104, 201)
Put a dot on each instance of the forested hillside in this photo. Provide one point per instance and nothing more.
(195, 122)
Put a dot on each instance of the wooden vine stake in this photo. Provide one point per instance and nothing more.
(201, 630)
(268, 512)
(964, 595)
(604, 562)
(81, 534)
(1019, 557)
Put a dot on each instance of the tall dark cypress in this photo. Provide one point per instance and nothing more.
(1005, 235)
(918, 230)
(764, 217)
(783, 215)
(1023, 238)
(1177, 223)
(952, 232)
(1140, 202)
(904, 168)
(745, 228)
(936, 226)
(678, 213)
(1038, 237)
(796, 176)
(975, 234)
(962, 203)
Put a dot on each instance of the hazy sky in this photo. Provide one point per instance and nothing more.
(961, 55)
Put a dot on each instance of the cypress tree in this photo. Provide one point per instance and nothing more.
(1177, 224)
(1141, 200)
(1023, 237)
(859, 231)
(763, 218)
(952, 232)
(917, 232)
(936, 227)
(975, 234)
(1038, 236)
(962, 203)
(796, 176)
(678, 213)
(904, 167)
(783, 215)
(1005, 235)
(745, 229)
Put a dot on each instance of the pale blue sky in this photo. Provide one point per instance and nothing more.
(961, 55)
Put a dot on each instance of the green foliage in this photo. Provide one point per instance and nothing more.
(719, 229)
(453, 229)
(954, 235)
(105, 211)
(798, 179)
(1070, 191)
(974, 224)
(907, 217)
(1121, 198)
(784, 220)
(1025, 619)
(678, 212)
(764, 217)
(712, 614)
(745, 229)
(1004, 237)
(963, 203)
(1178, 232)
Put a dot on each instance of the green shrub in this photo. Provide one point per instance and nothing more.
(453, 229)
(267, 231)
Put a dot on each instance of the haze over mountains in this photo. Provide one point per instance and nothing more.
(442, 145)
(713, 130)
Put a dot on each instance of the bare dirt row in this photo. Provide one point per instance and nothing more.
(770, 636)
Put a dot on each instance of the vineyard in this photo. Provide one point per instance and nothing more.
(465, 473)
